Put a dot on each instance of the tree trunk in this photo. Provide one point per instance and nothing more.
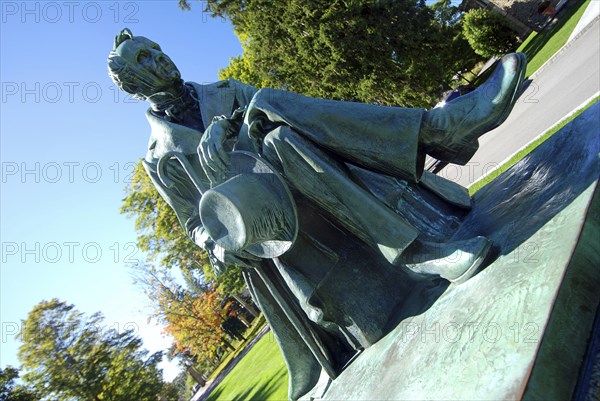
(243, 319)
(228, 344)
(463, 77)
(246, 305)
(196, 376)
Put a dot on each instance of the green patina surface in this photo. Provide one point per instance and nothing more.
(481, 340)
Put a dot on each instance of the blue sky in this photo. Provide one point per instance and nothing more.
(69, 140)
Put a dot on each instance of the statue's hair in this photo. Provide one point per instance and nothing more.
(122, 36)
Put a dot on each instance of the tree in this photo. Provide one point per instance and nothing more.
(380, 51)
(488, 33)
(160, 235)
(194, 319)
(242, 68)
(69, 356)
(455, 55)
(159, 232)
(11, 391)
(175, 390)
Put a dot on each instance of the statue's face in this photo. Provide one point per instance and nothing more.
(153, 69)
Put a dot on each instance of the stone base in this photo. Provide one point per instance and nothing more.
(519, 329)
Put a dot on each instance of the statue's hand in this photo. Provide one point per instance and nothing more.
(243, 258)
(219, 258)
(212, 153)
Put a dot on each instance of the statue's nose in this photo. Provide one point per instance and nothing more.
(158, 57)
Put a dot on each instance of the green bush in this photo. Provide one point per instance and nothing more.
(488, 33)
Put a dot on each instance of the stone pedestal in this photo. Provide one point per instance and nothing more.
(520, 328)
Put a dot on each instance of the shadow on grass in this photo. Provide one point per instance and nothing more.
(258, 393)
(231, 365)
(539, 41)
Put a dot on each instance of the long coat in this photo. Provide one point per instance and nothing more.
(283, 284)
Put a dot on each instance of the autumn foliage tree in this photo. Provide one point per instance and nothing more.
(194, 319)
(196, 316)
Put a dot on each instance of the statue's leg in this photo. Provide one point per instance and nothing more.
(451, 133)
(394, 140)
(324, 180)
(384, 139)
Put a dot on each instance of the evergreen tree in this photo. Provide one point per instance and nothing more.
(488, 33)
(392, 52)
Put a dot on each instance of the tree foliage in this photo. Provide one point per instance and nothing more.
(69, 356)
(194, 319)
(10, 390)
(160, 234)
(488, 33)
(243, 68)
(392, 52)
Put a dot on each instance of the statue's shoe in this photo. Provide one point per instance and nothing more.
(450, 133)
(455, 261)
(471, 261)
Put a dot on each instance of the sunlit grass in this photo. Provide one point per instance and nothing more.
(256, 326)
(261, 375)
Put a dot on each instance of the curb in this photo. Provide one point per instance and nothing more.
(565, 47)
(591, 12)
(565, 117)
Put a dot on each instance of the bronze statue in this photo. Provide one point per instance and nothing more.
(331, 175)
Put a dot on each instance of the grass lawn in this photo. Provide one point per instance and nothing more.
(256, 326)
(539, 47)
(261, 375)
(527, 149)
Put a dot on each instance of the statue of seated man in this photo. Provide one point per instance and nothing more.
(310, 143)
(308, 140)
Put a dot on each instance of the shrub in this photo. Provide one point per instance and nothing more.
(488, 33)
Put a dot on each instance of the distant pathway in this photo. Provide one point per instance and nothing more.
(569, 78)
(591, 12)
(204, 392)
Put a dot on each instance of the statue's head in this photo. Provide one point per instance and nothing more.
(138, 66)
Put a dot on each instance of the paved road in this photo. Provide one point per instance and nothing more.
(569, 79)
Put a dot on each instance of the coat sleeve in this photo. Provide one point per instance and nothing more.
(182, 197)
(243, 92)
